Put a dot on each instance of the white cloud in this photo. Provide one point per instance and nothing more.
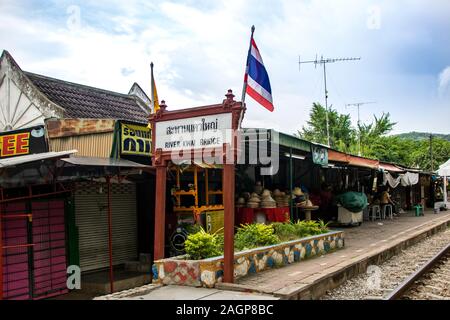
(444, 80)
(199, 52)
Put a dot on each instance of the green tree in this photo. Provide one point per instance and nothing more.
(372, 134)
(390, 149)
(421, 153)
(342, 134)
(375, 141)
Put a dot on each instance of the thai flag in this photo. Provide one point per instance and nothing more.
(256, 79)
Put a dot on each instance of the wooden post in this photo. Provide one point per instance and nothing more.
(228, 203)
(207, 186)
(160, 212)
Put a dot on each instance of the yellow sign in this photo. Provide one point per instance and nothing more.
(214, 221)
(136, 140)
(14, 144)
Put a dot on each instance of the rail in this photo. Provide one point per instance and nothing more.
(403, 287)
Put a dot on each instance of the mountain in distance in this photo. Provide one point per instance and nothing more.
(422, 135)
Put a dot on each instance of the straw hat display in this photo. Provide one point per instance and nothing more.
(277, 192)
(253, 202)
(278, 196)
(240, 203)
(298, 192)
(281, 199)
(267, 200)
(255, 195)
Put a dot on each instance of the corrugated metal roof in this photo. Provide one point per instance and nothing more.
(103, 162)
(16, 161)
(289, 141)
(390, 167)
(363, 162)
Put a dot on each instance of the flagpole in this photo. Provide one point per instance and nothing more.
(244, 87)
(152, 81)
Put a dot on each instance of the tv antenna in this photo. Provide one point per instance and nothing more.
(358, 104)
(324, 62)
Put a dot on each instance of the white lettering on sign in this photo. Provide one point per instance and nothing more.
(194, 133)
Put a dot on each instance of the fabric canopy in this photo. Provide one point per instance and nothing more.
(444, 169)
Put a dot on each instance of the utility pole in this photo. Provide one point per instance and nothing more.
(431, 152)
(358, 104)
(323, 62)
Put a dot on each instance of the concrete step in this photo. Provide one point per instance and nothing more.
(123, 280)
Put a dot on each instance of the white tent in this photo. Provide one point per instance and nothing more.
(444, 171)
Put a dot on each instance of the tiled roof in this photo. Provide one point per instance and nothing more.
(81, 101)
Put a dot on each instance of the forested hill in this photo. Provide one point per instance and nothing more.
(422, 135)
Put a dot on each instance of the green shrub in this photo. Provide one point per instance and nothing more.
(323, 226)
(285, 231)
(219, 241)
(202, 245)
(192, 228)
(310, 228)
(254, 235)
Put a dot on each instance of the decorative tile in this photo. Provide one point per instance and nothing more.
(207, 272)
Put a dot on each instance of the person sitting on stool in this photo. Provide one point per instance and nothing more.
(386, 199)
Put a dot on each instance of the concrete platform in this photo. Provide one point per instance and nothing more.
(371, 243)
(191, 293)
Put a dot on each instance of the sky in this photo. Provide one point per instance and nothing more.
(199, 50)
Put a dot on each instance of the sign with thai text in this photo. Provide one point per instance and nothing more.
(210, 131)
(22, 142)
(136, 139)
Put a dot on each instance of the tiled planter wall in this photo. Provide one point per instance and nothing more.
(207, 272)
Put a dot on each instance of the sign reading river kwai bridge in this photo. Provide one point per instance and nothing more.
(209, 131)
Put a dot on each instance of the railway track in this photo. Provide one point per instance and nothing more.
(381, 281)
(430, 282)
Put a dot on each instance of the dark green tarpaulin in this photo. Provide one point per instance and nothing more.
(352, 201)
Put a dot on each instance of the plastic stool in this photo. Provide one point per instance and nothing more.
(387, 211)
(375, 212)
(419, 210)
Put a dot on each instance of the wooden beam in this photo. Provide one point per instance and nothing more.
(160, 212)
(228, 203)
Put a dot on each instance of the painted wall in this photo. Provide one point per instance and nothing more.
(208, 272)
